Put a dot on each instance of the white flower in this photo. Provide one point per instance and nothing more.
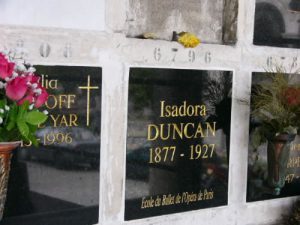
(31, 106)
(21, 67)
(38, 91)
(1, 110)
(34, 86)
(45, 112)
(1, 120)
(31, 70)
(5, 52)
(7, 108)
(15, 75)
(2, 85)
(7, 79)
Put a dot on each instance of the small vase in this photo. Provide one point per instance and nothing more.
(278, 155)
(6, 149)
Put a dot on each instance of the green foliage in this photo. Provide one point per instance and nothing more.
(35, 117)
(20, 122)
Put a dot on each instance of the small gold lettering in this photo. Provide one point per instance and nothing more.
(73, 120)
(152, 128)
(182, 110)
(186, 130)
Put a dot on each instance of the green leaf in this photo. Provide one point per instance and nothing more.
(13, 113)
(13, 135)
(290, 130)
(35, 118)
(33, 139)
(25, 106)
(32, 128)
(23, 128)
(256, 138)
(2, 103)
(22, 113)
(2, 134)
(12, 117)
(11, 125)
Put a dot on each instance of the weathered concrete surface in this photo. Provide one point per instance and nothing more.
(54, 13)
(230, 21)
(116, 54)
(201, 17)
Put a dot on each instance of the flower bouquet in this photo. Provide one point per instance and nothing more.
(21, 95)
(276, 109)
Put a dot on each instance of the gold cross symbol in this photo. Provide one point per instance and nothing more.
(88, 88)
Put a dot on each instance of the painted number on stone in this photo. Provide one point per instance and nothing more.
(295, 64)
(270, 61)
(157, 54)
(207, 57)
(192, 56)
(20, 43)
(174, 50)
(67, 51)
(45, 50)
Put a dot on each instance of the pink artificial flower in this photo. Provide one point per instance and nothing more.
(292, 96)
(30, 98)
(42, 98)
(6, 67)
(16, 88)
(33, 78)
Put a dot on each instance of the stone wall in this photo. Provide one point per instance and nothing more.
(105, 44)
(204, 18)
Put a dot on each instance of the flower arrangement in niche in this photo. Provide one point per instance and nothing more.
(275, 109)
(21, 96)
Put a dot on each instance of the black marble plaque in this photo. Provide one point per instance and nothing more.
(177, 141)
(259, 186)
(58, 181)
(277, 23)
